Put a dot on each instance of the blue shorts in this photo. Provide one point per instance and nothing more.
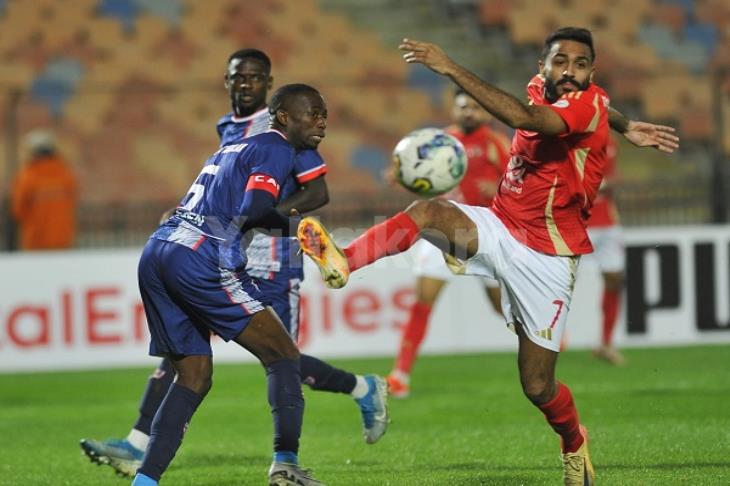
(283, 295)
(187, 296)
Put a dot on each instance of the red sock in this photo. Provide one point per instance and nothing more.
(394, 235)
(413, 334)
(610, 313)
(562, 416)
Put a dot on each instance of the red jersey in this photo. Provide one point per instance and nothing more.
(604, 212)
(547, 191)
(488, 154)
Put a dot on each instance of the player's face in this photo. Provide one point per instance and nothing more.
(567, 67)
(468, 114)
(248, 82)
(307, 121)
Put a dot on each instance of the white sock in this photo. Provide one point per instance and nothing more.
(138, 439)
(361, 388)
(404, 378)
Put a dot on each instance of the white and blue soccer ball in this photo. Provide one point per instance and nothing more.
(429, 161)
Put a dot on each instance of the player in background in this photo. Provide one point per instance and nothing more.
(487, 151)
(193, 283)
(532, 237)
(274, 265)
(604, 230)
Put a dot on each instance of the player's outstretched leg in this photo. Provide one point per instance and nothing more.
(555, 401)
(369, 391)
(440, 222)
(317, 243)
(125, 455)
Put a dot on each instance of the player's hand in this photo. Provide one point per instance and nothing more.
(166, 215)
(644, 134)
(430, 55)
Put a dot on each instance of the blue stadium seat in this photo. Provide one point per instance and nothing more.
(371, 159)
(126, 11)
(705, 34)
(659, 37)
(422, 78)
(170, 10)
(57, 84)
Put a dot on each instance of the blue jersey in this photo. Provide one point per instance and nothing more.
(272, 258)
(213, 208)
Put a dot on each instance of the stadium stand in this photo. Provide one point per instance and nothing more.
(134, 86)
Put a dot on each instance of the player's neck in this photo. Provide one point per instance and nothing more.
(239, 112)
(469, 130)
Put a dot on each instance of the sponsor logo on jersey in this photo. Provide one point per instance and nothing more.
(189, 216)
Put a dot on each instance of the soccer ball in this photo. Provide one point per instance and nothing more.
(429, 161)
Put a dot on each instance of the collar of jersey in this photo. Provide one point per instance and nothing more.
(235, 119)
(277, 131)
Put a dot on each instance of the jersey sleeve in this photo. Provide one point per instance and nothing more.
(580, 110)
(308, 165)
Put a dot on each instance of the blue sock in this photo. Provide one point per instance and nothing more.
(286, 457)
(142, 480)
(168, 428)
(325, 377)
(287, 404)
(155, 392)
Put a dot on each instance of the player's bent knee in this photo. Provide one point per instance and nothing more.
(538, 391)
(425, 211)
(200, 384)
(286, 351)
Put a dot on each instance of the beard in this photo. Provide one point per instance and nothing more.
(551, 87)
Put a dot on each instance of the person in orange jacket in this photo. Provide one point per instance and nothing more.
(44, 197)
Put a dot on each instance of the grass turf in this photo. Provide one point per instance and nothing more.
(663, 419)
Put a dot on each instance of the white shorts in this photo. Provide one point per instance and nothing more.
(429, 262)
(608, 248)
(536, 288)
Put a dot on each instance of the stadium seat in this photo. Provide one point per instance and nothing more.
(494, 13)
(169, 10)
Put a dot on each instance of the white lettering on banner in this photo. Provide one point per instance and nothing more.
(77, 309)
(90, 317)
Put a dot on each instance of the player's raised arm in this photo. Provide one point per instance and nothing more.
(501, 104)
(643, 134)
(312, 195)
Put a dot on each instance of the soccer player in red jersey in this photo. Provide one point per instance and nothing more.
(532, 237)
(488, 153)
(604, 230)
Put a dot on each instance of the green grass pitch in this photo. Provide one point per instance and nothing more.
(664, 419)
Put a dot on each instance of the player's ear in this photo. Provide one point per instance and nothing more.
(540, 66)
(270, 83)
(282, 117)
(226, 81)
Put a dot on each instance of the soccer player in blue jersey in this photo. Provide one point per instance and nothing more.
(274, 265)
(193, 282)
